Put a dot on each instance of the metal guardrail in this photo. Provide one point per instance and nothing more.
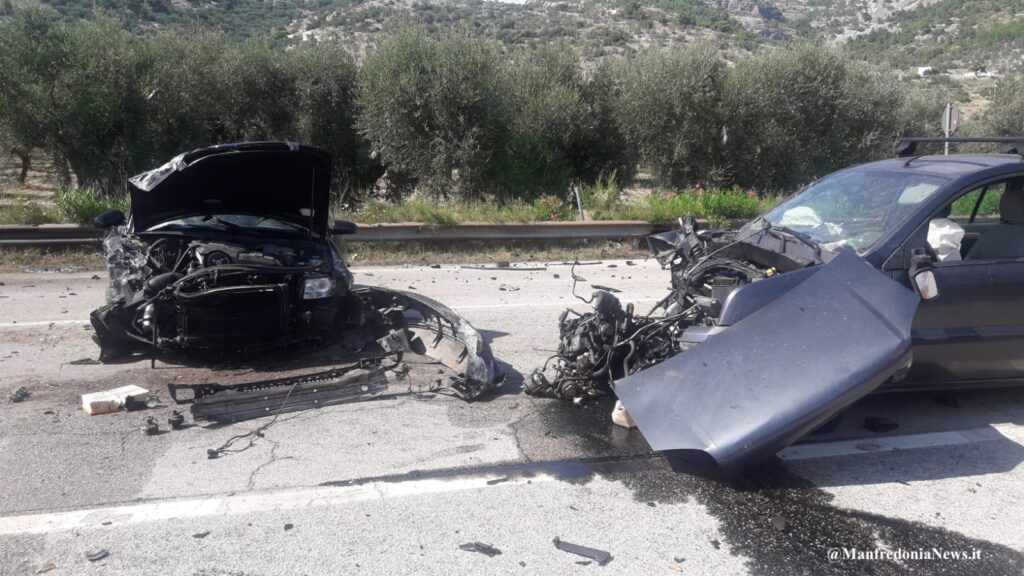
(48, 235)
(510, 231)
(70, 235)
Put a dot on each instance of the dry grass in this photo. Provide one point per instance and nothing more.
(384, 253)
(14, 259)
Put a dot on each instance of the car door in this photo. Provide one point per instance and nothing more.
(744, 393)
(973, 333)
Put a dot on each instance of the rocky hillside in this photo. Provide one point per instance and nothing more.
(971, 34)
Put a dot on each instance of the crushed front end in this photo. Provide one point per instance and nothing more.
(612, 341)
(228, 251)
(176, 292)
(764, 337)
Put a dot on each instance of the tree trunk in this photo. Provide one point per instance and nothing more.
(26, 163)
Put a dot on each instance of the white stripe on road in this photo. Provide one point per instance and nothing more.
(889, 443)
(322, 496)
(317, 497)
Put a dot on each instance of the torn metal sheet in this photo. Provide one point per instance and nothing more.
(600, 556)
(436, 331)
(754, 387)
(486, 549)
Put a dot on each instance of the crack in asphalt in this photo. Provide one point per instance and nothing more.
(273, 458)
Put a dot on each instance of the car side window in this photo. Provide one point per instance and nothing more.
(963, 209)
(991, 218)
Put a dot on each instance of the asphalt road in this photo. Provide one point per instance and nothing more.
(394, 486)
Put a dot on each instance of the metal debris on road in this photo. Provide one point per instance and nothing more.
(600, 556)
(494, 481)
(605, 288)
(19, 395)
(176, 420)
(233, 403)
(289, 526)
(202, 534)
(487, 549)
(132, 404)
(149, 426)
(97, 554)
(508, 288)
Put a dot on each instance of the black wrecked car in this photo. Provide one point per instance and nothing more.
(904, 273)
(229, 250)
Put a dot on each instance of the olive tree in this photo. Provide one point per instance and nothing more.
(666, 104)
(433, 107)
(792, 114)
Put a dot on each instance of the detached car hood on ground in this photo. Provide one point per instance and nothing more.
(781, 371)
(276, 179)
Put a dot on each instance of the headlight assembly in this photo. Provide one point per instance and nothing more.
(317, 287)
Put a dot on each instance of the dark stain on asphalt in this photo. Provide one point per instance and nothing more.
(556, 430)
(749, 509)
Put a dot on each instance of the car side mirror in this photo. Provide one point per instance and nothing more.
(922, 275)
(112, 217)
(344, 227)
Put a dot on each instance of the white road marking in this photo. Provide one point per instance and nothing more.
(316, 497)
(322, 496)
(889, 443)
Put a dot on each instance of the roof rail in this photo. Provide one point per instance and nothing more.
(1014, 144)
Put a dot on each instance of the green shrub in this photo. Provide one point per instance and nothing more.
(552, 209)
(666, 104)
(28, 212)
(81, 205)
(433, 106)
(560, 126)
(715, 204)
(1005, 113)
(603, 195)
(795, 113)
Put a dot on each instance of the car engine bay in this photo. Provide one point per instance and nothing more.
(706, 267)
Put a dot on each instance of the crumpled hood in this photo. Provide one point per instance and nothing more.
(278, 179)
(800, 353)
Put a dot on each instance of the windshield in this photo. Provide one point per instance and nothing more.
(854, 208)
(230, 222)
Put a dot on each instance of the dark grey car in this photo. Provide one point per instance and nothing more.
(897, 274)
(230, 249)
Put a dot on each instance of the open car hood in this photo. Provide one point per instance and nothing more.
(779, 372)
(277, 179)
